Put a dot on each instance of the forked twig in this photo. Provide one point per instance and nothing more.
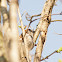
(41, 17)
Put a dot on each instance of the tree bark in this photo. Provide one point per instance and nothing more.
(5, 25)
(42, 28)
(14, 37)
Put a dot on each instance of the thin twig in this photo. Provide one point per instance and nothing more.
(42, 58)
(31, 17)
(22, 27)
(49, 55)
(57, 33)
(24, 33)
(23, 13)
(56, 20)
(42, 17)
(35, 15)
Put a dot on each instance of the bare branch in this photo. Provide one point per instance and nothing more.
(44, 15)
(56, 51)
(58, 33)
(49, 55)
(56, 20)
(5, 25)
(31, 17)
(23, 31)
(22, 27)
(43, 24)
(24, 37)
(4, 14)
(14, 38)
(40, 18)
(38, 50)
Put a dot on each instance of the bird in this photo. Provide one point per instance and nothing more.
(29, 38)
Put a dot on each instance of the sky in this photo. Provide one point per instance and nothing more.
(53, 41)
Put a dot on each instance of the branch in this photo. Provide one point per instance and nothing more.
(14, 37)
(31, 17)
(38, 50)
(56, 51)
(56, 20)
(23, 31)
(5, 27)
(22, 27)
(4, 14)
(43, 17)
(43, 26)
(58, 34)
(48, 56)
(24, 37)
(40, 18)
